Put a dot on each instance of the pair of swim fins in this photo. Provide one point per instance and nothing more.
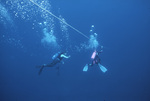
(103, 69)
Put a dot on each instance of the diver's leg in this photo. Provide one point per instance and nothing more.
(50, 65)
(44, 65)
(86, 66)
(41, 70)
(91, 64)
(53, 63)
(38, 66)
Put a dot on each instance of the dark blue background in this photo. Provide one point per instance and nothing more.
(123, 28)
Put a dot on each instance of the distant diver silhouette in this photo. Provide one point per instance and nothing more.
(57, 58)
(95, 60)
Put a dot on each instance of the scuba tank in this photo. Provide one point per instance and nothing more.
(93, 55)
(55, 55)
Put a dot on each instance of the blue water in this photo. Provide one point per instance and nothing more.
(123, 29)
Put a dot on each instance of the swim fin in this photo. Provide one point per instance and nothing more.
(85, 68)
(103, 69)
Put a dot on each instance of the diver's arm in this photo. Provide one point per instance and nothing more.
(101, 50)
(64, 56)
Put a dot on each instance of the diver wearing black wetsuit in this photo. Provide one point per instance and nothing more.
(55, 61)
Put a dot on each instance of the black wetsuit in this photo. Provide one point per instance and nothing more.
(53, 63)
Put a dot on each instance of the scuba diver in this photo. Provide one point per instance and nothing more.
(95, 60)
(57, 58)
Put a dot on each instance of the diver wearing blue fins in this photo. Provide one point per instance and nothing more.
(57, 58)
(95, 60)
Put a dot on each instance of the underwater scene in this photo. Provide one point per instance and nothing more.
(74, 50)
